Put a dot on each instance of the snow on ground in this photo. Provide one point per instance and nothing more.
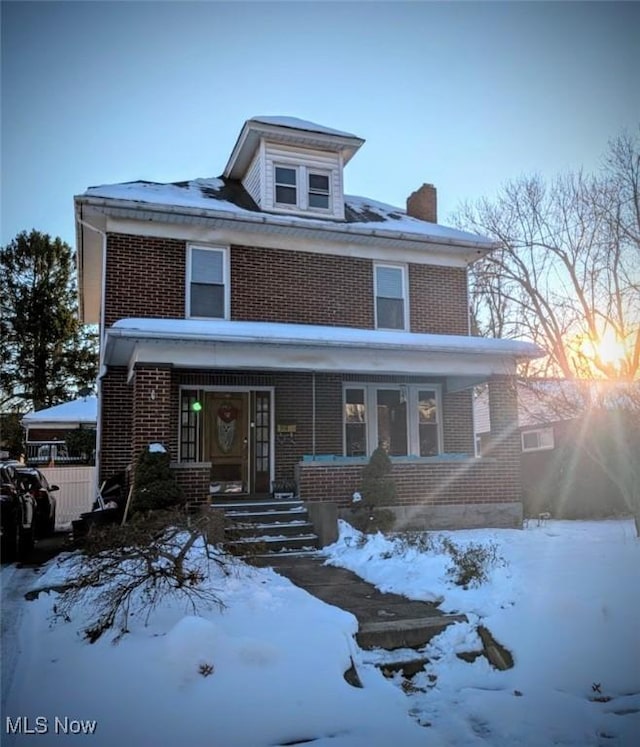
(567, 605)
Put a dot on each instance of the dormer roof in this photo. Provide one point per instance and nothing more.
(287, 131)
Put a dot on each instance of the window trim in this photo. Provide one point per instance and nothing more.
(413, 423)
(405, 294)
(539, 432)
(226, 275)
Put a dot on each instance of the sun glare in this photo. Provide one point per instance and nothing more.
(609, 349)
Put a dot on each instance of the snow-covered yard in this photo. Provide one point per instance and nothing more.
(566, 604)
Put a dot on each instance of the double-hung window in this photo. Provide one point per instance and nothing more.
(207, 291)
(302, 187)
(286, 186)
(404, 419)
(390, 292)
(318, 195)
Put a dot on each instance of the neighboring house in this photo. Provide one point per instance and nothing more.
(271, 331)
(558, 476)
(47, 431)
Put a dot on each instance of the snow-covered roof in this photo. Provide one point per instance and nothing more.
(221, 196)
(316, 335)
(81, 410)
(300, 124)
(265, 346)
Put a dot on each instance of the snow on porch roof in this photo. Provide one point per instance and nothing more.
(280, 346)
(81, 410)
(311, 334)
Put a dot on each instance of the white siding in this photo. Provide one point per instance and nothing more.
(315, 160)
(251, 181)
(76, 494)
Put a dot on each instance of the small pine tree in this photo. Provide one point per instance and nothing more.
(377, 488)
(154, 485)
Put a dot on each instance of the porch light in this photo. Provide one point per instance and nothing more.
(196, 406)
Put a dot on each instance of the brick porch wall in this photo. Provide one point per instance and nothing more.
(452, 482)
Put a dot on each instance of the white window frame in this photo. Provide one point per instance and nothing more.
(544, 437)
(226, 274)
(405, 294)
(371, 414)
(303, 172)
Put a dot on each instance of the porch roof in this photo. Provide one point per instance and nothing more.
(266, 346)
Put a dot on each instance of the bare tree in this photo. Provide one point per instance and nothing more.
(567, 275)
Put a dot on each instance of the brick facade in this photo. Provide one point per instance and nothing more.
(275, 285)
(146, 278)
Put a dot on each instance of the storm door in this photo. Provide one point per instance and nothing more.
(237, 441)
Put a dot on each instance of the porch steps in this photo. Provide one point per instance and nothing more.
(268, 527)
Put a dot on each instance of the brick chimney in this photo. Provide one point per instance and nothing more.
(423, 203)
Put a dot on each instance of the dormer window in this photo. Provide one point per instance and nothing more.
(319, 191)
(286, 186)
(289, 182)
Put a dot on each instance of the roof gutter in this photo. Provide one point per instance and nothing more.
(268, 222)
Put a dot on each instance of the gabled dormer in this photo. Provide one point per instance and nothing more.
(292, 166)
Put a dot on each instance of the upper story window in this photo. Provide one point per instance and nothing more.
(207, 283)
(318, 191)
(390, 292)
(302, 187)
(286, 186)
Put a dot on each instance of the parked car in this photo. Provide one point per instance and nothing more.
(27, 509)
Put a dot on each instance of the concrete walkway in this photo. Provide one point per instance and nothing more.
(387, 621)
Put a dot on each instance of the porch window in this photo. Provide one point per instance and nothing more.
(405, 419)
(189, 426)
(390, 291)
(392, 421)
(207, 293)
(355, 422)
(428, 422)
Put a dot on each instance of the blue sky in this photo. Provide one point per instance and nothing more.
(465, 95)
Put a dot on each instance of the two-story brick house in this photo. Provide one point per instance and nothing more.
(267, 328)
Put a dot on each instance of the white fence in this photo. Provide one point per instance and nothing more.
(76, 494)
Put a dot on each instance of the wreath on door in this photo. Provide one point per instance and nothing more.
(226, 418)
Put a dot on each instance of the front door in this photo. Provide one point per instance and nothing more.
(237, 441)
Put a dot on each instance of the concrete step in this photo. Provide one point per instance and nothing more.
(265, 544)
(403, 633)
(252, 506)
(266, 517)
(268, 526)
(239, 529)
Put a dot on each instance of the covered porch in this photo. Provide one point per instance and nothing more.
(246, 408)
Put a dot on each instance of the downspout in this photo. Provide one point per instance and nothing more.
(101, 335)
(313, 414)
